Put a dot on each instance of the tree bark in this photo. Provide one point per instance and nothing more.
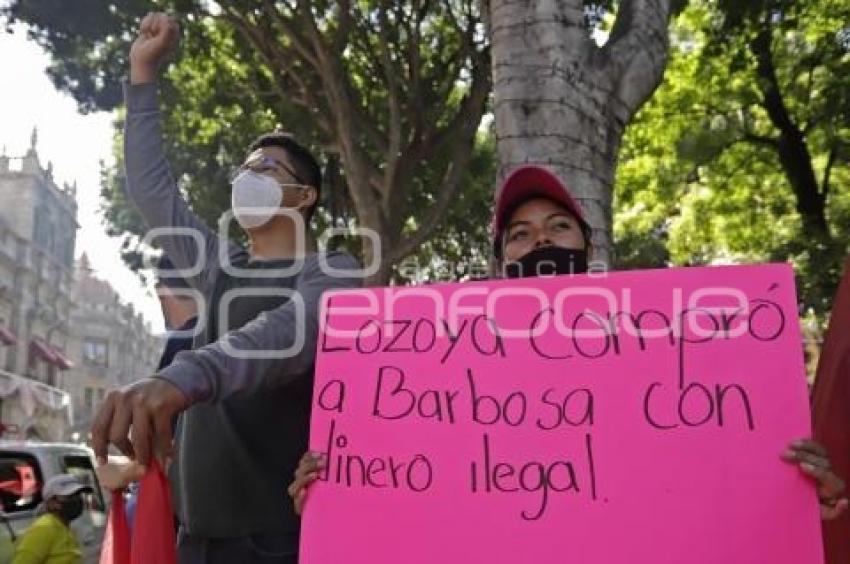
(564, 102)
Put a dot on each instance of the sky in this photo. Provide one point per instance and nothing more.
(75, 144)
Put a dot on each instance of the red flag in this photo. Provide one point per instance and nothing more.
(831, 411)
(116, 540)
(153, 539)
(153, 529)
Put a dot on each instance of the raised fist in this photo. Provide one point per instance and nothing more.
(159, 34)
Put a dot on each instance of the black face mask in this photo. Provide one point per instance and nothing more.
(548, 261)
(71, 508)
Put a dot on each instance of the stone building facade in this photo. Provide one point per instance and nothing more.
(38, 223)
(41, 324)
(110, 344)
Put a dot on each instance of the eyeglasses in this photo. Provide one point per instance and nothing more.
(265, 163)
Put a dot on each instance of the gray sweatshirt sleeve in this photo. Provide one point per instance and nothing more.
(214, 372)
(151, 187)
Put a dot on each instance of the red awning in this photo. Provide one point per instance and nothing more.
(7, 337)
(62, 361)
(43, 351)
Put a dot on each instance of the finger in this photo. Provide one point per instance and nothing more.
(141, 434)
(308, 466)
(811, 446)
(299, 501)
(813, 459)
(830, 512)
(302, 467)
(300, 485)
(307, 457)
(155, 25)
(805, 456)
(100, 429)
(308, 479)
(160, 24)
(163, 439)
(145, 26)
(301, 495)
(119, 431)
(303, 481)
(829, 485)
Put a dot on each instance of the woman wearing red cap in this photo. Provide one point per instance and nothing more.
(539, 229)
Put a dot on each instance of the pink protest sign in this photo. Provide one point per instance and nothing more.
(635, 417)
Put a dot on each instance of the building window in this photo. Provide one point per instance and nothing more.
(101, 395)
(95, 351)
(88, 402)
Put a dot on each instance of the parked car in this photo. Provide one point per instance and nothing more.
(24, 468)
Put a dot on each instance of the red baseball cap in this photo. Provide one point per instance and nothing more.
(524, 183)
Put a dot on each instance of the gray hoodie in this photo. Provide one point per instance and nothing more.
(238, 446)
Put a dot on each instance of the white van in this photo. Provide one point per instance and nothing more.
(24, 468)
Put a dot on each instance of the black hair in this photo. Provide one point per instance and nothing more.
(586, 231)
(303, 162)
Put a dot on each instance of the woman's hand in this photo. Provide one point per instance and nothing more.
(118, 476)
(813, 461)
(306, 473)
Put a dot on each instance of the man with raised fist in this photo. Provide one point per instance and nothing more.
(243, 393)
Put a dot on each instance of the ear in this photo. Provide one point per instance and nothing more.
(308, 197)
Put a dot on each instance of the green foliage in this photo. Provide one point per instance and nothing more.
(409, 62)
(700, 179)
(700, 174)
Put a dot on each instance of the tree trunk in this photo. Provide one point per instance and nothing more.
(564, 102)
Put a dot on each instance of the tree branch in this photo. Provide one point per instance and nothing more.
(299, 42)
(433, 137)
(637, 51)
(413, 27)
(792, 149)
(346, 111)
(465, 125)
(346, 23)
(393, 94)
(771, 142)
(274, 56)
(772, 99)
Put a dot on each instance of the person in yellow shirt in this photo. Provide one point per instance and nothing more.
(49, 540)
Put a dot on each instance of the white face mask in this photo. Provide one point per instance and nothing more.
(255, 198)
